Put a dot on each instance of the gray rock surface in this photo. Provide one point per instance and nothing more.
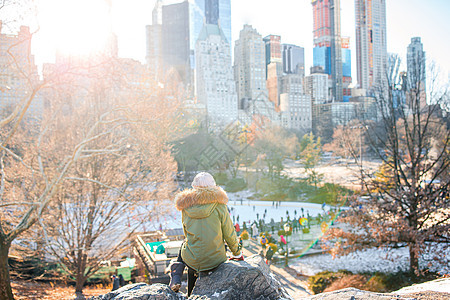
(437, 285)
(239, 280)
(142, 291)
(232, 280)
(438, 289)
(352, 294)
(251, 279)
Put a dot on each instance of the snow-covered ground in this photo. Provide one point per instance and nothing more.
(344, 172)
(371, 260)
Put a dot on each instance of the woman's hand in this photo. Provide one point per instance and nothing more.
(238, 257)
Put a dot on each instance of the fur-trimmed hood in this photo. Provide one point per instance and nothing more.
(199, 196)
(206, 225)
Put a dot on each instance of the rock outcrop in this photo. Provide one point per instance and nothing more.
(142, 291)
(233, 280)
(355, 294)
(437, 285)
(433, 290)
(252, 279)
(351, 293)
(249, 279)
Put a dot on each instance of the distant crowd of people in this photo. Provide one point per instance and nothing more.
(267, 232)
(303, 220)
(259, 225)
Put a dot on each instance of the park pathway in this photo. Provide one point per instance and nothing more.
(297, 287)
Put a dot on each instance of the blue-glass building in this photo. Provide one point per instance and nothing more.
(225, 18)
(322, 57)
(346, 62)
(217, 12)
(212, 12)
(196, 18)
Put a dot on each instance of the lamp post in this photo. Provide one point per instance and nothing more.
(360, 156)
(287, 228)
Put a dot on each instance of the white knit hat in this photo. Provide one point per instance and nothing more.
(203, 180)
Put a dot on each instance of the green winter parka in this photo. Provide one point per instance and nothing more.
(206, 225)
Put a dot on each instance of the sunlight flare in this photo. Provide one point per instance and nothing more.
(76, 27)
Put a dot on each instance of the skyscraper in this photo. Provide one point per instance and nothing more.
(346, 57)
(416, 73)
(212, 11)
(225, 19)
(157, 12)
(273, 49)
(322, 58)
(176, 40)
(249, 64)
(346, 69)
(316, 85)
(336, 51)
(371, 49)
(295, 105)
(175, 28)
(293, 59)
(274, 67)
(415, 63)
(18, 72)
(217, 12)
(154, 41)
(215, 86)
(327, 42)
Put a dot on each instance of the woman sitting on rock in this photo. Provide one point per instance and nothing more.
(207, 226)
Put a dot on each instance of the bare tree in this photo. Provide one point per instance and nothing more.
(408, 199)
(347, 140)
(123, 178)
(25, 190)
(31, 176)
(86, 130)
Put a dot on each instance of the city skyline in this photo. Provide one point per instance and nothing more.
(292, 20)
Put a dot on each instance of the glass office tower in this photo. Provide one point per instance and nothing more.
(217, 12)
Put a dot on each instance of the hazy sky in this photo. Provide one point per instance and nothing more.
(292, 19)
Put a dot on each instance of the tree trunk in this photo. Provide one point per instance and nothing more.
(413, 259)
(80, 277)
(5, 282)
(80, 280)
